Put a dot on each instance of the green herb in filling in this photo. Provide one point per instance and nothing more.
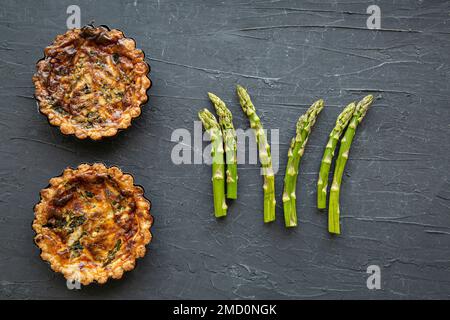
(112, 252)
(76, 248)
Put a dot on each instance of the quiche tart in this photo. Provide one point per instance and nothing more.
(91, 82)
(92, 223)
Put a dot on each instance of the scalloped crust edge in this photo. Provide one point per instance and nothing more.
(118, 266)
(68, 128)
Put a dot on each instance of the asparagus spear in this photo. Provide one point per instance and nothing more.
(333, 210)
(296, 150)
(229, 135)
(218, 165)
(322, 184)
(264, 154)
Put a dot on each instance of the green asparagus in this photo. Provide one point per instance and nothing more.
(264, 154)
(218, 165)
(296, 150)
(333, 210)
(229, 136)
(322, 184)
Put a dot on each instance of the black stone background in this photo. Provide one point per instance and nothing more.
(396, 190)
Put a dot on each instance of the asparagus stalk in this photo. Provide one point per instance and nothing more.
(322, 184)
(295, 153)
(333, 210)
(264, 153)
(218, 165)
(229, 135)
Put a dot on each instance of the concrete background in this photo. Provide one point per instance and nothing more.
(396, 191)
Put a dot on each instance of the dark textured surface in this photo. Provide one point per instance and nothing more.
(396, 192)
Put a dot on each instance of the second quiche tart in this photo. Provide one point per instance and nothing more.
(92, 223)
(92, 82)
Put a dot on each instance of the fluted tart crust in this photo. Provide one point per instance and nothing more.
(92, 223)
(91, 82)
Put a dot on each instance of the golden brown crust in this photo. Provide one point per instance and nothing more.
(91, 82)
(92, 223)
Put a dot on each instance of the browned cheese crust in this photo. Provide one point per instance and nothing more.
(92, 223)
(91, 82)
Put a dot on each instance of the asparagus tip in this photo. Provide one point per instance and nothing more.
(239, 88)
(368, 98)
